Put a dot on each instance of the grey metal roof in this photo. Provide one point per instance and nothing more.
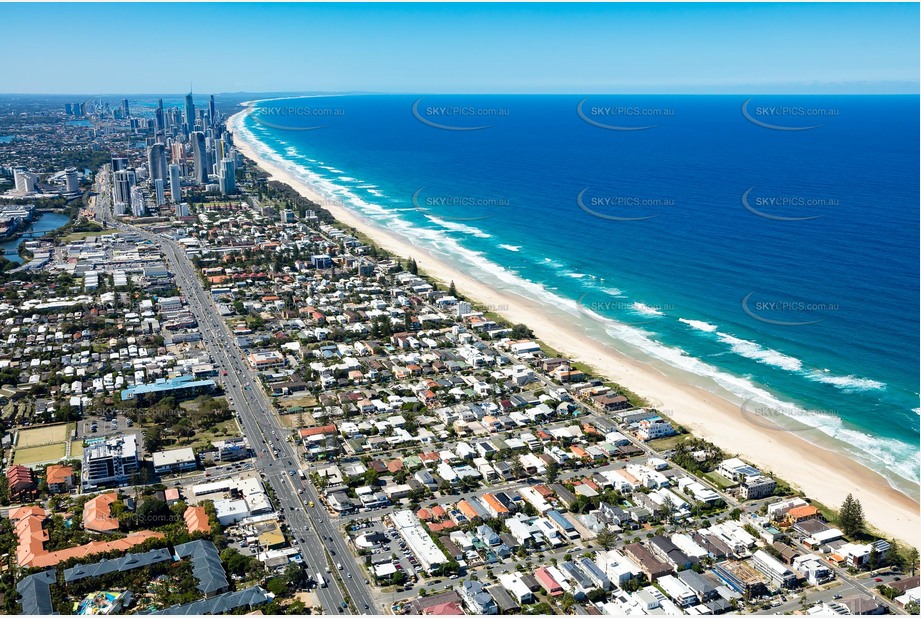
(206, 565)
(36, 593)
(577, 575)
(220, 604)
(125, 563)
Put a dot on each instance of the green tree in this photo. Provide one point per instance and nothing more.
(553, 473)
(606, 539)
(851, 516)
(153, 440)
(521, 331)
(296, 576)
(277, 586)
(913, 560)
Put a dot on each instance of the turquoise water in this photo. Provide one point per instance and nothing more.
(780, 266)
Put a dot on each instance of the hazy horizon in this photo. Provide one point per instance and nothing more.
(670, 48)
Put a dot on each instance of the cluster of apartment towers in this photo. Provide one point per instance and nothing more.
(177, 131)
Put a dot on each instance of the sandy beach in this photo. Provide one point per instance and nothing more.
(822, 474)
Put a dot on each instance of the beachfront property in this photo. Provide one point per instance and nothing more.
(462, 447)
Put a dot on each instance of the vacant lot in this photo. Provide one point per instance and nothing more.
(305, 401)
(664, 444)
(39, 454)
(46, 434)
(82, 235)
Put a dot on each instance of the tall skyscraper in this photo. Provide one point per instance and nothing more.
(212, 112)
(123, 183)
(200, 158)
(71, 180)
(138, 205)
(178, 151)
(25, 182)
(228, 177)
(175, 183)
(125, 109)
(158, 188)
(159, 126)
(156, 162)
(189, 111)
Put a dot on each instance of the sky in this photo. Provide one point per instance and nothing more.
(460, 48)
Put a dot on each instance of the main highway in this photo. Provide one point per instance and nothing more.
(276, 458)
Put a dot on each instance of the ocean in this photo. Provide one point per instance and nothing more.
(766, 246)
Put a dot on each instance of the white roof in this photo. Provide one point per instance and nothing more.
(173, 457)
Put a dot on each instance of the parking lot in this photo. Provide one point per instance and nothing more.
(392, 551)
(100, 426)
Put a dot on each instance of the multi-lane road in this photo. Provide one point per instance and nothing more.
(320, 543)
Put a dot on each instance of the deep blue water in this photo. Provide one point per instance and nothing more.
(643, 237)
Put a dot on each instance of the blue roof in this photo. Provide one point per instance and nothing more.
(562, 521)
(220, 604)
(124, 563)
(166, 386)
(206, 565)
(36, 593)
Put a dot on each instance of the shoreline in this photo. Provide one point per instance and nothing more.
(822, 474)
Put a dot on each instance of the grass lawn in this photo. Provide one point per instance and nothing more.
(76, 449)
(82, 235)
(221, 431)
(39, 454)
(45, 434)
(719, 480)
(664, 444)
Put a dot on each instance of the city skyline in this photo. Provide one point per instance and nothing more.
(548, 48)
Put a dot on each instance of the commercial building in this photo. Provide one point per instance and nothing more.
(418, 541)
(175, 460)
(71, 180)
(183, 387)
(266, 359)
